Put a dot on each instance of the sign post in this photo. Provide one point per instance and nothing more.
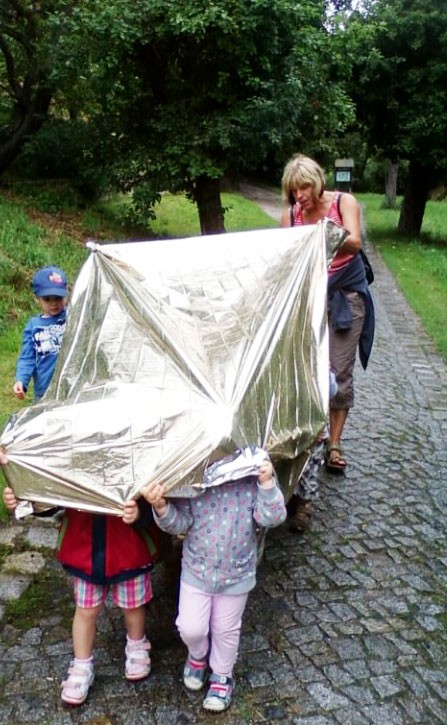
(343, 173)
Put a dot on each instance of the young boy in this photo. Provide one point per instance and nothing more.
(43, 333)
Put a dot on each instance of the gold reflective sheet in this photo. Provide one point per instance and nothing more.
(176, 354)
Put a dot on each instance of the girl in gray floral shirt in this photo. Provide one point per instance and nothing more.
(218, 566)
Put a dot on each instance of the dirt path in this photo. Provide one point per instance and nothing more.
(269, 200)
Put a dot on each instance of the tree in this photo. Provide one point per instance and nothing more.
(399, 84)
(191, 91)
(391, 175)
(29, 35)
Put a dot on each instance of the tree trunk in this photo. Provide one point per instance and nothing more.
(206, 194)
(31, 119)
(414, 201)
(392, 170)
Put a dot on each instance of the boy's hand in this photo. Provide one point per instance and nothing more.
(9, 499)
(265, 476)
(131, 512)
(19, 390)
(154, 494)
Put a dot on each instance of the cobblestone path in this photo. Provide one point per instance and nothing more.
(347, 624)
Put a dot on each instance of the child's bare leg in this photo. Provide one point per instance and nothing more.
(138, 661)
(80, 673)
(135, 621)
(84, 631)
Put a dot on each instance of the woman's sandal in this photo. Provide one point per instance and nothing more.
(334, 459)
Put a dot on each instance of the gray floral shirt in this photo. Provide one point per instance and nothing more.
(220, 546)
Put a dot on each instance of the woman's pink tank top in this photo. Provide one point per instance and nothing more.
(341, 259)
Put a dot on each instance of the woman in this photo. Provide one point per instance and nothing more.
(350, 307)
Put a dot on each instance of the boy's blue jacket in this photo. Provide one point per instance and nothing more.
(41, 343)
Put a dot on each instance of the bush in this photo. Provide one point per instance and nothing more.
(65, 150)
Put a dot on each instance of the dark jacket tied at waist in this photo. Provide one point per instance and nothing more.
(351, 279)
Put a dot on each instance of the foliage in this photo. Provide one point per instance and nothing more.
(51, 198)
(189, 92)
(403, 81)
(45, 99)
(399, 84)
(67, 149)
(152, 96)
(31, 68)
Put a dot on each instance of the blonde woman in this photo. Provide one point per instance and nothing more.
(350, 307)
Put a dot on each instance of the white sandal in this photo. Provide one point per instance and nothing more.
(138, 661)
(74, 689)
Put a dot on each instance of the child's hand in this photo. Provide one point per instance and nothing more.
(3, 457)
(154, 494)
(131, 512)
(265, 476)
(9, 499)
(18, 390)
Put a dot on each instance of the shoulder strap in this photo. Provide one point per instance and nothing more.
(292, 209)
(339, 195)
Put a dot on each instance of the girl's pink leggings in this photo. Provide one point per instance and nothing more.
(211, 623)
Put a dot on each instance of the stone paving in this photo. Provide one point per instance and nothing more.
(347, 625)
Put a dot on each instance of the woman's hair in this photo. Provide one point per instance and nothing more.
(302, 171)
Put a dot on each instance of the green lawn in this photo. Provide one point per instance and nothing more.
(419, 265)
(177, 216)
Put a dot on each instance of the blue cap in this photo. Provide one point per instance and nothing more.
(50, 282)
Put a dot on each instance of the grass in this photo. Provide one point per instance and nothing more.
(177, 216)
(419, 265)
(5, 551)
(48, 589)
(419, 269)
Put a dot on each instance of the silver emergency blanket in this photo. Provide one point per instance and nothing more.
(177, 354)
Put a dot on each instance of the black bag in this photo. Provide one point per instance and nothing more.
(369, 274)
